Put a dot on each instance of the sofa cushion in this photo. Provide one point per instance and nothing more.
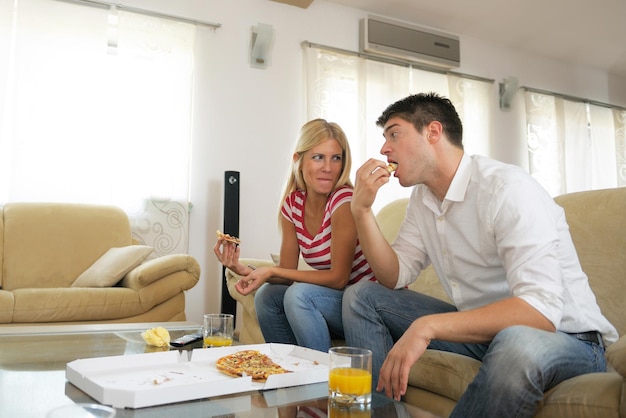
(7, 303)
(75, 304)
(588, 395)
(444, 373)
(112, 266)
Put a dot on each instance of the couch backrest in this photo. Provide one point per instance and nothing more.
(597, 222)
(50, 244)
(390, 217)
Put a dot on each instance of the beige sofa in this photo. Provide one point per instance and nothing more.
(597, 221)
(46, 247)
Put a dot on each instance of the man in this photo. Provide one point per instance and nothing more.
(502, 251)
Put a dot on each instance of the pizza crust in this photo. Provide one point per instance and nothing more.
(229, 373)
(226, 237)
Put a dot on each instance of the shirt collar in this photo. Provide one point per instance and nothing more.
(460, 181)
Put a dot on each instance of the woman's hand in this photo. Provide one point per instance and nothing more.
(253, 281)
(228, 254)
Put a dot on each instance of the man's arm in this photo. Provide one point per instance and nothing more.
(474, 326)
(379, 254)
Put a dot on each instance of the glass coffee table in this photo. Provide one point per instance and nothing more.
(32, 377)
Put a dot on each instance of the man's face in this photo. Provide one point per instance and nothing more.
(408, 148)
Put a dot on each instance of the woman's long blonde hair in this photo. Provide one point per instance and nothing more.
(312, 134)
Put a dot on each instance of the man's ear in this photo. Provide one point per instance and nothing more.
(434, 130)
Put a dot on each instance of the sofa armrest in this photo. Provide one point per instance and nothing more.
(161, 267)
(250, 332)
(616, 355)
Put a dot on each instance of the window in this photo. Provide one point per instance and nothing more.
(575, 145)
(97, 105)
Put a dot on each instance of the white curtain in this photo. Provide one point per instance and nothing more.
(574, 146)
(97, 105)
(619, 118)
(354, 91)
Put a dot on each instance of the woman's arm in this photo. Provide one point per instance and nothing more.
(342, 247)
(289, 247)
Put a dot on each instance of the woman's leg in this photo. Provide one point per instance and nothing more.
(314, 313)
(269, 305)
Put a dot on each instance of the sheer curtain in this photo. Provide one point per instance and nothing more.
(97, 107)
(574, 146)
(353, 91)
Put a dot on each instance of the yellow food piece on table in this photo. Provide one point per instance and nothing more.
(158, 337)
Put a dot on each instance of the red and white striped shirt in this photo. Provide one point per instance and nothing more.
(316, 249)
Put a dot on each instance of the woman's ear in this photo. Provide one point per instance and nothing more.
(295, 157)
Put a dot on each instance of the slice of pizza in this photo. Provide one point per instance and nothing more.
(391, 167)
(251, 363)
(226, 237)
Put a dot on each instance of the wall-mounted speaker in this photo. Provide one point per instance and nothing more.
(507, 89)
(231, 227)
(261, 42)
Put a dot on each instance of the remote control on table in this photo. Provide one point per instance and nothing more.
(186, 339)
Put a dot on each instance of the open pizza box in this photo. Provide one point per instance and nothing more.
(141, 380)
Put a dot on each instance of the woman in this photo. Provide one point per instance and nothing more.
(303, 307)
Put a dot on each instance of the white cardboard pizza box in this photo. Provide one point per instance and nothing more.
(141, 380)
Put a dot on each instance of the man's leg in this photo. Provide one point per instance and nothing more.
(374, 317)
(519, 366)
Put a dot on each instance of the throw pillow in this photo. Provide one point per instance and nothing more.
(113, 266)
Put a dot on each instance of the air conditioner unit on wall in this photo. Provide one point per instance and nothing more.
(386, 37)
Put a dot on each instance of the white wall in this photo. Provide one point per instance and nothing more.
(247, 119)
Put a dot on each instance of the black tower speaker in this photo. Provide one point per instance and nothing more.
(231, 227)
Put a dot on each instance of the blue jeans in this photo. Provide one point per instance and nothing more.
(519, 364)
(304, 314)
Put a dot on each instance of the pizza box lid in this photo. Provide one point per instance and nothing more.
(142, 380)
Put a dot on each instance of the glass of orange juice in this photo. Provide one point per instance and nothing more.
(350, 376)
(335, 410)
(217, 330)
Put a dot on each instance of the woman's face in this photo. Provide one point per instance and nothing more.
(321, 167)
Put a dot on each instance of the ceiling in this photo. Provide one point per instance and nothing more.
(582, 32)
